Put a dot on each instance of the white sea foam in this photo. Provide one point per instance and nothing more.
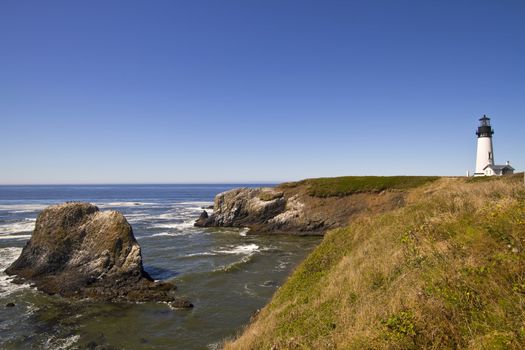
(7, 257)
(23, 207)
(163, 234)
(199, 254)
(240, 249)
(169, 216)
(281, 266)
(248, 290)
(214, 346)
(61, 343)
(178, 226)
(199, 203)
(139, 217)
(199, 209)
(27, 225)
(244, 232)
(124, 204)
(15, 236)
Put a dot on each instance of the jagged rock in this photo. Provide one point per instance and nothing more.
(78, 251)
(203, 218)
(290, 209)
(244, 207)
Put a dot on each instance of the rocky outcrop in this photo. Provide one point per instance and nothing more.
(263, 210)
(291, 210)
(78, 251)
(242, 207)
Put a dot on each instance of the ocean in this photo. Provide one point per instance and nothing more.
(225, 273)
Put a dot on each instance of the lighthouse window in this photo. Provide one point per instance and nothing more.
(490, 155)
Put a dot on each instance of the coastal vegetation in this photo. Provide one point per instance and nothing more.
(447, 270)
(347, 185)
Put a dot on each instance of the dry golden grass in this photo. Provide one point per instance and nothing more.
(447, 271)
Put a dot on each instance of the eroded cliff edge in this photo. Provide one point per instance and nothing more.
(78, 251)
(308, 207)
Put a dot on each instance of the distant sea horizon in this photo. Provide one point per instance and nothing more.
(149, 183)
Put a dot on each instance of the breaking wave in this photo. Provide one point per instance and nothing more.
(160, 234)
(56, 343)
(15, 236)
(7, 257)
(124, 204)
(178, 226)
(23, 208)
(199, 254)
(27, 225)
(240, 249)
(236, 265)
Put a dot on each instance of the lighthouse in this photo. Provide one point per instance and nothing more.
(485, 154)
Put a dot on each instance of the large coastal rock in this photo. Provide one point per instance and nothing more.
(263, 210)
(244, 206)
(78, 251)
(291, 210)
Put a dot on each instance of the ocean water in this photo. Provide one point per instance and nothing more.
(225, 273)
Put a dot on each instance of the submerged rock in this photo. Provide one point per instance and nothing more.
(78, 251)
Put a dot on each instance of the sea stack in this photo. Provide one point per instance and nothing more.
(78, 251)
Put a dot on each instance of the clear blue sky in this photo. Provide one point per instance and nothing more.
(236, 91)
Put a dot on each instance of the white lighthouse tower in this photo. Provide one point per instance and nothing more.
(485, 154)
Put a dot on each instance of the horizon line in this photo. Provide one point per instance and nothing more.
(198, 183)
(142, 183)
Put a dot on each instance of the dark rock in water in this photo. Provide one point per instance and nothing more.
(78, 251)
(10, 305)
(181, 304)
(207, 207)
(203, 218)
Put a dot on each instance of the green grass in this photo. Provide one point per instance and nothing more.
(347, 185)
(447, 271)
(270, 195)
(514, 177)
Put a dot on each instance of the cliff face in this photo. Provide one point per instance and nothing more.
(291, 209)
(78, 251)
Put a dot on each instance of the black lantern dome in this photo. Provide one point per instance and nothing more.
(484, 128)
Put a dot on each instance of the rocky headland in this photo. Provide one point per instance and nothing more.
(78, 251)
(308, 207)
(445, 271)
